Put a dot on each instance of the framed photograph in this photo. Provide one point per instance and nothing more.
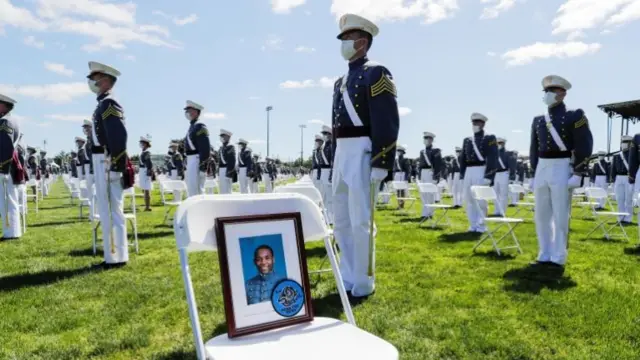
(265, 282)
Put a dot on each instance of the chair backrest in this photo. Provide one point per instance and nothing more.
(596, 193)
(171, 185)
(400, 185)
(428, 188)
(210, 184)
(517, 188)
(485, 193)
(194, 220)
(309, 191)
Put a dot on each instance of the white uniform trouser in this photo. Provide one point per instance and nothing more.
(457, 189)
(624, 196)
(552, 206)
(426, 176)
(22, 196)
(255, 185)
(601, 182)
(501, 187)
(268, 184)
(177, 194)
(243, 180)
(109, 202)
(327, 193)
(476, 210)
(9, 209)
(384, 198)
(352, 211)
(224, 182)
(89, 191)
(514, 197)
(45, 185)
(194, 177)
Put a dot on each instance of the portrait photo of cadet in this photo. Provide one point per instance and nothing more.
(263, 263)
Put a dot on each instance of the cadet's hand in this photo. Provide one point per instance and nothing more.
(574, 182)
(377, 174)
(487, 182)
(531, 185)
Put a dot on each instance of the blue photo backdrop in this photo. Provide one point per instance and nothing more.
(248, 246)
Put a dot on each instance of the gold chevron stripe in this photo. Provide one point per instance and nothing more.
(202, 131)
(382, 85)
(383, 152)
(111, 111)
(581, 122)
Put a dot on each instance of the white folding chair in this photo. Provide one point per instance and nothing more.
(172, 186)
(383, 196)
(595, 195)
(519, 190)
(400, 186)
(32, 183)
(486, 193)
(193, 222)
(210, 186)
(82, 200)
(432, 190)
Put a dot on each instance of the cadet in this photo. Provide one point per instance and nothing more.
(227, 170)
(88, 166)
(365, 125)
(256, 177)
(601, 174)
(9, 205)
(326, 171)
(272, 174)
(401, 171)
(316, 162)
(554, 136)
(32, 167)
(109, 164)
(197, 147)
(44, 184)
(245, 166)
(22, 188)
(501, 180)
(430, 166)
(478, 163)
(82, 160)
(73, 163)
(456, 184)
(620, 179)
(145, 171)
(177, 168)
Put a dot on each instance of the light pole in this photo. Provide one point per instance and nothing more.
(268, 109)
(302, 127)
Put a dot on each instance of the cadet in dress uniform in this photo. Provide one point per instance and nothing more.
(212, 166)
(9, 205)
(620, 178)
(227, 157)
(82, 161)
(197, 148)
(478, 164)
(326, 172)
(501, 180)
(430, 166)
(73, 164)
(634, 165)
(270, 179)
(176, 162)
(109, 162)
(256, 175)
(555, 137)
(316, 162)
(88, 166)
(401, 171)
(22, 188)
(32, 166)
(245, 166)
(601, 174)
(365, 125)
(145, 171)
(44, 184)
(456, 183)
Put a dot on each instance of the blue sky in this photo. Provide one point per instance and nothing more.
(449, 58)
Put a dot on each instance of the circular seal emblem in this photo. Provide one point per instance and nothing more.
(287, 298)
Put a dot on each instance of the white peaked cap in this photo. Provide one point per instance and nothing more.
(555, 81)
(173, 144)
(78, 138)
(458, 148)
(400, 148)
(429, 134)
(191, 104)
(478, 116)
(602, 153)
(256, 155)
(626, 138)
(319, 137)
(145, 139)
(243, 141)
(350, 22)
(96, 67)
(327, 129)
(225, 132)
(249, 149)
(503, 140)
(87, 123)
(5, 98)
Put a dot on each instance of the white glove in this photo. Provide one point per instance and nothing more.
(377, 174)
(574, 182)
(487, 182)
(531, 186)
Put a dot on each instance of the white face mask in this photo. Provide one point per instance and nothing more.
(142, 146)
(327, 137)
(476, 128)
(624, 146)
(348, 49)
(318, 144)
(500, 146)
(600, 158)
(187, 116)
(93, 86)
(428, 142)
(549, 98)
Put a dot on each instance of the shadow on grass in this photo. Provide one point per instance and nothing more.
(460, 237)
(55, 207)
(220, 329)
(405, 220)
(329, 306)
(179, 354)
(316, 252)
(56, 223)
(493, 256)
(81, 253)
(154, 235)
(15, 282)
(163, 226)
(533, 279)
(632, 250)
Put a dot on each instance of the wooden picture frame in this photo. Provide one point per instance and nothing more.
(263, 268)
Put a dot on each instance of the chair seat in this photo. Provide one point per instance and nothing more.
(612, 213)
(173, 203)
(503, 220)
(337, 340)
(405, 198)
(129, 216)
(438, 206)
(525, 204)
(587, 203)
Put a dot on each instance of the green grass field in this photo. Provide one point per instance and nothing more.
(434, 298)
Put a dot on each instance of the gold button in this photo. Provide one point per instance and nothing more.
(360, 77)
(356, 85)
(356, 105)
(356, 95)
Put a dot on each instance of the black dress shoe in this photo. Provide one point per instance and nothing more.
(9, 238)
(106, 266)
(540, 263)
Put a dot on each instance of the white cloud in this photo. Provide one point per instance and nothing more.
(212, 116)
(323, 82)
(19, 17)
(69, 118)
(431, 11)
(629, 13)
(256, 141)
(55, 93)
(496, 8)
(285, 6)
(517, 131)
(18, 118)
(58, 69)
(128, 57)
(186, 20)
(123, 13)
(305, 49)
(273, 42)
(316, 122)
(31, 41)
(404, 111)
(527, 54)
(254, 97)
(580, 15)
(575, 35)
(43, 124)
(491, 53)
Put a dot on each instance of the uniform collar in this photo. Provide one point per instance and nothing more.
(267, 276)
(558, 108)
(358, 63)
(479, 133)
(103, 95)
(195, 120)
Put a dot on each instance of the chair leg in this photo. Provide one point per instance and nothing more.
(135, 234)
